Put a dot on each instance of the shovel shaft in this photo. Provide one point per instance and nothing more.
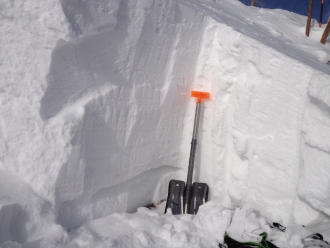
(196, 122)
(192, 158)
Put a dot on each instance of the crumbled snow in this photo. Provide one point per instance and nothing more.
(96, 118)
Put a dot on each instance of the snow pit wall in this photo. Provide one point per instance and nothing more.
(116, 116)
(130, 82)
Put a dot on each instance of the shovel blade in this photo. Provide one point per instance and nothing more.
(175, 196)
(199, 196)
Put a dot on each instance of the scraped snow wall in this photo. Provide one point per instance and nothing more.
(96, 116)
(127, 84)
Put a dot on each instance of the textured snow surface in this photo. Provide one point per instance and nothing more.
(96, 116)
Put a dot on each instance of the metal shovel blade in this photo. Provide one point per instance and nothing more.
(175, 196)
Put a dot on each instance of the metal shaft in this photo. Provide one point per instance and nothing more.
(192, 159)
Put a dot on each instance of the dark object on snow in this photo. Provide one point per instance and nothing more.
(312, 241)
(309, 17)
(200, 193)
(187, 198)
(232, 243)
(321, 13)
(150, 206)
(325, 33)
(175, 197)
(279, 226)
(315, 240)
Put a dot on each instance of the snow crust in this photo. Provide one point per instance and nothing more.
(96, 116)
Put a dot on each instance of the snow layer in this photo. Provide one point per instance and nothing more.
(96, 116)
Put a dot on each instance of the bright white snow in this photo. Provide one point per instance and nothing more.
(96, 118)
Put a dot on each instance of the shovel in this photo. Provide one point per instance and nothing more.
(187, 197)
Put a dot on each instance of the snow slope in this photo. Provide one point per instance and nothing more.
(96, 116)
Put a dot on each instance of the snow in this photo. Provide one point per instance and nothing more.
(145, 228)
(96, 118)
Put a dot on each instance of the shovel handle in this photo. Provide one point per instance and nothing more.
(200, 95)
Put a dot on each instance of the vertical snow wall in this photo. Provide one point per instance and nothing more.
(111, 122)
(130, 82)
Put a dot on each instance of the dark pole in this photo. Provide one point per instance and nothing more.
(192, 158)
(309, 18)
(326, 32)
(321, 13)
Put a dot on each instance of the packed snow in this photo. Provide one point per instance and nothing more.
(96, 117)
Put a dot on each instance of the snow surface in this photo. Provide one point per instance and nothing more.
(96, 118)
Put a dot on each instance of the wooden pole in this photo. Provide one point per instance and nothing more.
(309, 18)
(325, 33)
(255, 2)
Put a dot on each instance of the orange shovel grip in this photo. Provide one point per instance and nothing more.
(200, 95)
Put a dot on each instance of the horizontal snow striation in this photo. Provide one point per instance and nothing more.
(315, 152)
